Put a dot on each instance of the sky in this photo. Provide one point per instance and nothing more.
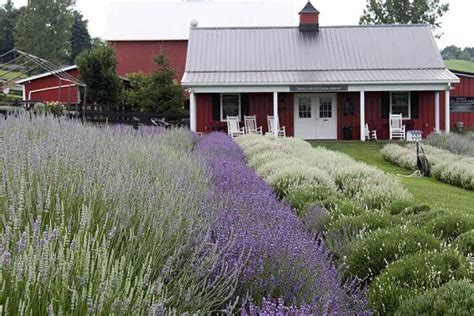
(457, 23)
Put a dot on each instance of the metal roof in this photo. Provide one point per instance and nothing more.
(396, 53)
(152, 21)
(46, 74)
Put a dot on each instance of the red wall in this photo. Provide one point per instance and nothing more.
(463, 89)
(52, 94)
(373, 114)
(260, 105)
(134, 56)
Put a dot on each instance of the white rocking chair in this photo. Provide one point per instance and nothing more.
(397, 129)
(233, 126)
(370, 135)
(251, 125)
(281, 130)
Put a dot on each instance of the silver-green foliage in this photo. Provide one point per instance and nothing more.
(293, 165)
(447, 167)
(105, 221)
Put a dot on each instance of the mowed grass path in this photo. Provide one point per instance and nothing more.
(428, 191)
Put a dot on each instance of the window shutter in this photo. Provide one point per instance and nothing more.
(414, 104)
(244, 105)
(216, 107)
(385, 105)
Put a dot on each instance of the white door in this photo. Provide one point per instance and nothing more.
(315, 116)
(305, 111)
(326, 116)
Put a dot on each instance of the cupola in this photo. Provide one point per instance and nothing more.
(309, 18)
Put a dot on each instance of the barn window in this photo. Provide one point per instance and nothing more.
(230, 105)
(400, 104)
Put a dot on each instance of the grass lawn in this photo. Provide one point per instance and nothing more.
(7, 75)
(428, 191)
(460, 65)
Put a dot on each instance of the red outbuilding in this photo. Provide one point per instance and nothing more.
(52, 86)
(140, 31)
(320, 82)
(462, 99)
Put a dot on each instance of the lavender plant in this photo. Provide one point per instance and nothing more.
(106, 221)
(446, 167)
(459, 144)
(282, 260)
(290, 165)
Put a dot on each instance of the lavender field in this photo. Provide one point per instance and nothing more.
(112, 220)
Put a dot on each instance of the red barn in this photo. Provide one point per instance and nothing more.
(47, 87)
(462, 99)
(318, 81)
(163, 28)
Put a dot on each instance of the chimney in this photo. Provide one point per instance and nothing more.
(309, 18)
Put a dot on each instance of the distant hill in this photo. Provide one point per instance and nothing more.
(460, 65)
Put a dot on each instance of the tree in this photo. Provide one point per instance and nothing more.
(8, 17)
(451, 52)
(158, 92)
(97, 70)
(44, 29)
(80, 37)
(405, 12)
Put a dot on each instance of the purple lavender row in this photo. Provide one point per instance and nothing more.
(283, 260)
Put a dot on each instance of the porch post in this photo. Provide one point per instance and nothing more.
(362, 116)
(437, 128)
(275, 114)
(447, 118)
(192, 111)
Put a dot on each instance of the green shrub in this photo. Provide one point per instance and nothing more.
(412, 275)
(455, 298)
(366, 222)
(415, 209)
(465, 243)
(450, 226)
(301, 195)
(339, 206)
(420, 219)
(368, 256)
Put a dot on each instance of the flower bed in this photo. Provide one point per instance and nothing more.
(293, 166)
(106, 221)
(459, 144)
(446, 167)
(283, 260)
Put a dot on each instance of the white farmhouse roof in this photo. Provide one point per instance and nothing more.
(171, 20)
(339, 54)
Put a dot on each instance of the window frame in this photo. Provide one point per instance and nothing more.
(224, 119)
(310, 107)
(409, 103)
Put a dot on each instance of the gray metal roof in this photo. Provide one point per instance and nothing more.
(400, 53)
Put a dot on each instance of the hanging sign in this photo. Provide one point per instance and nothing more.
(5, 90)
(462, 104)
(319, 88)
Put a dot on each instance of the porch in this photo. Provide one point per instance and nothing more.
(317, 114)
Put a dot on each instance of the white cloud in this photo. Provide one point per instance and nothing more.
(457, 24)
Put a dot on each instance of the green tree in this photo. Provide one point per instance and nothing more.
(159, 92)
(166, 93)
(44, 29)
(405, 12)
(451, 52)
(8, 17)
(97, 70)
(80, 37)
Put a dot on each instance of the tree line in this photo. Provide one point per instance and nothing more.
(50, 29)
(454, 52)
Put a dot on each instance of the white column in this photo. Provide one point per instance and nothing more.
(437, 124)
(275, 114)
(362, 116)
(192, 111)
(447, 118)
